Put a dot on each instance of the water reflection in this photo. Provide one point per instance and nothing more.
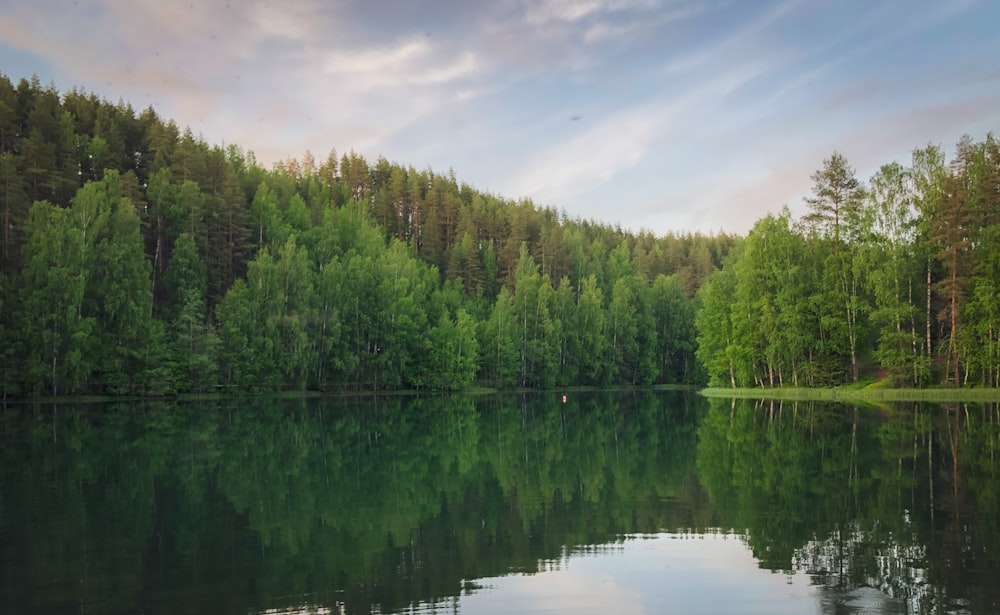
(899, 501)
(497, 503)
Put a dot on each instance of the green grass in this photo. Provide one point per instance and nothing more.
(870, 393)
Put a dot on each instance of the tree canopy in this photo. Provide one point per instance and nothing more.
(138, 259)
(895, 276)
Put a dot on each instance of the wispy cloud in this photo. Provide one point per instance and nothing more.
(708, 105)
(642, 24)
(390, 60)
(542, 12)
(565, 170)
(737, 43)
(410, 63)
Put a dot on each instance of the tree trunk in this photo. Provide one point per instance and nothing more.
(927, 348)
(954, 312)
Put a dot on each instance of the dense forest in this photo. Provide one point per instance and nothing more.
(135, 258)
(896, 278)
(138, 259)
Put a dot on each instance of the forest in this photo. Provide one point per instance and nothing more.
(137, 259)
(896, 279)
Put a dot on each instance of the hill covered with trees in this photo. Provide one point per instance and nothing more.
(138, 259)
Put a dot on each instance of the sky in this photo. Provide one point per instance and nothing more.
(701, 574)
(658, 115)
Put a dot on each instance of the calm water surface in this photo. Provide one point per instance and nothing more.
(626, 503)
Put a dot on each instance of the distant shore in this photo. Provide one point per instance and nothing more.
(859, 394)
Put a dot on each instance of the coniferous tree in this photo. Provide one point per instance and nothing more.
(953, 231)
(834, 215)
(14, 207)
(983, 307)
(194, 341)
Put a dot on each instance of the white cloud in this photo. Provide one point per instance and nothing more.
(279, 22)
(602, 31)
(466, 64)
(541, 12)
(390, 60)
(493, 88)
(410, 63)
(737, 44)
(598, 154)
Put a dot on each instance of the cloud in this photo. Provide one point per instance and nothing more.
(596, 156)
(292, 21)
(413, 62)
(757, 172)
(785, 100)
(721, 105)
(641, 25)
(602, 31)
(390, 60)
(543, 12)
(736, 44)
(465, 65)
(276, 78)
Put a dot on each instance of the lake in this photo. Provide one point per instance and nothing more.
(628, 502)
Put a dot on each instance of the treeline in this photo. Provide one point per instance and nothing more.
(138, 259)
(898, 276)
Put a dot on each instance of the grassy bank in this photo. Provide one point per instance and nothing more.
(867, 394)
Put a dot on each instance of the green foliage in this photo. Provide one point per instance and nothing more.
(533, 307)
(500, 356)
(263, 322)
(182, 267)
(717, 350)
(450, 355)
(891, 228)
(55, 335)
(591, 327)
(160, 263)
(194, 342)
(900, 275)
(674, 318)
(7, 350)
(14, 205)
(85, 297)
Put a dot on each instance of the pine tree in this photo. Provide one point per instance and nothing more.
(834, 215)
(13, 213)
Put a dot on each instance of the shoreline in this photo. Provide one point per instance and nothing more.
(858, 394)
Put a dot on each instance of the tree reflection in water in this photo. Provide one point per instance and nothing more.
(388, 503)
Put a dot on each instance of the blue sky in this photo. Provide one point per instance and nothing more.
(666, 115)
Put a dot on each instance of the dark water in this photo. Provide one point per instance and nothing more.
(620, 503)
